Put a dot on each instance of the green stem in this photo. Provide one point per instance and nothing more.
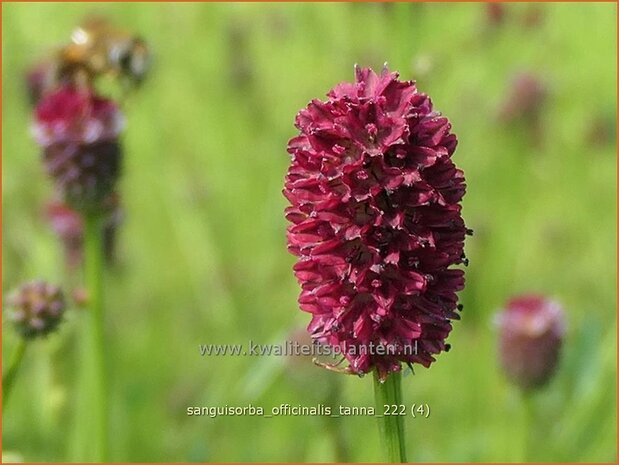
(8, 378)
(95, 336)
(529, 425)
(389, 393)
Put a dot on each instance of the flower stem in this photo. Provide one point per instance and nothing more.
(95, 336)
(389, 393)
(8, 378)
(529, 424)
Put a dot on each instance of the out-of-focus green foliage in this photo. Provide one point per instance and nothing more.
(202, 256)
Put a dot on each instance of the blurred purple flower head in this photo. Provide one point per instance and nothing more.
(36, 308)
(531, 330)
(78, 132)
(376, 222)
(524, 99)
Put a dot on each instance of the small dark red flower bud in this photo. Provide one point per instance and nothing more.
(495, 13)
(68, 225)
(376, 222)
(534, 16)
(531, 330)
(80, 297)
(36, 308)
(79, 132)
(524, 98)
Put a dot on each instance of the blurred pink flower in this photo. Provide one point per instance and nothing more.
(78, 132)
(531, 330)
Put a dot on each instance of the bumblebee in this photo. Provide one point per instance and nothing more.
(99, 49)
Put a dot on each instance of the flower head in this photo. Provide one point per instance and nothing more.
(531, 330)
(376, 222)
(36, 308)
(79, 132)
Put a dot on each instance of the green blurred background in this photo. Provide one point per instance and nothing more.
(202, 255)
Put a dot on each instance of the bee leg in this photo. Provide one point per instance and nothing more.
(332, 367)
